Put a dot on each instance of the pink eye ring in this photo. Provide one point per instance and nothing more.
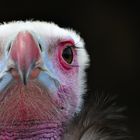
(67, 54)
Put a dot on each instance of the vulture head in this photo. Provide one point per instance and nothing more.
(42, 79)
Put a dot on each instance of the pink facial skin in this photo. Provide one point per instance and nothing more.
(68, 73)
(32, 111)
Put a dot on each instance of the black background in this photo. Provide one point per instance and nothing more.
(111, 30)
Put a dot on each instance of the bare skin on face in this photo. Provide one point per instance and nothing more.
(40, 88)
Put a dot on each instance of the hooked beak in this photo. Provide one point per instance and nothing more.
(25, 52)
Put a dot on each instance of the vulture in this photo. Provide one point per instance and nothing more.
(43, 87)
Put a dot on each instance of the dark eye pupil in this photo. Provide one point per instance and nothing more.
(68, 55)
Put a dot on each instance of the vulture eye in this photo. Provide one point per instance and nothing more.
(67, 54)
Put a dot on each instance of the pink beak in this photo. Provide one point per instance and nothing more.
(25, 52)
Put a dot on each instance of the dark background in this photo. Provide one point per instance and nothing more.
(111, 30)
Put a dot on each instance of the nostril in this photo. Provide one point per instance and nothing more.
(40, 47)
(9, 47)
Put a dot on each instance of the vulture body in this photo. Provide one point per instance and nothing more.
(42, 83)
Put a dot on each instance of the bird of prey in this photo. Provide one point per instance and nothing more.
(43, 85)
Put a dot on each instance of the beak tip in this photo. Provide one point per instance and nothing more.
(24, 77)
(25, 81)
